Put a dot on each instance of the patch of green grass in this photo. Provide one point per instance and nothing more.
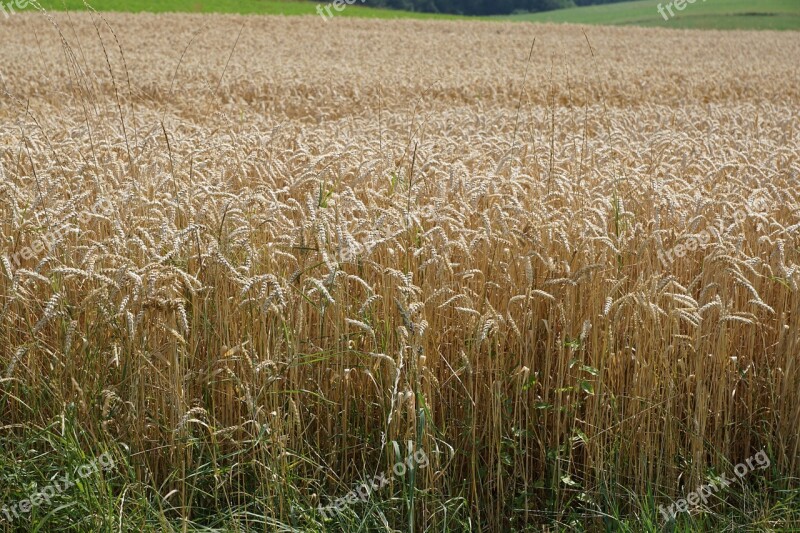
(703, 14)
(206, 492)
(244, 7)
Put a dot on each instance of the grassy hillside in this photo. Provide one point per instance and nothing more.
(713, 14)
(247, 7)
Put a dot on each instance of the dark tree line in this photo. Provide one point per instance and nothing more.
(483, 7)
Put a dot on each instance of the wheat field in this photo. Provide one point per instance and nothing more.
(256, 259)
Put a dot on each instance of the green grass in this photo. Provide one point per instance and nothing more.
(244, 7)
(703, 14)
(114, 497)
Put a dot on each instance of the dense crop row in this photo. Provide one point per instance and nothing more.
(262, 259)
